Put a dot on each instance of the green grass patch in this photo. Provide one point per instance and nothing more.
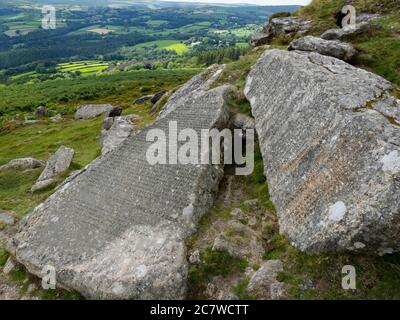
(241, 290)
(3, 257)
(214, 263)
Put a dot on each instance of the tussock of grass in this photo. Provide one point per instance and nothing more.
(3, 257)
(241, 290)
(235, 73)
(214, 263)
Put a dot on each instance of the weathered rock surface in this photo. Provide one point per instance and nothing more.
(194, 86)
(115, 112)
(57, 164)
(143, 99)
(240, 241)
(32, 122)
(337, 49)
(288, 26)
(9, 266)
(358, 29)
(7, 218)
(264, 284)
(89, 111)
(241, 121)
(117, 230)
(158, 96)
(116, 130)
(23, 164)
(331, 160)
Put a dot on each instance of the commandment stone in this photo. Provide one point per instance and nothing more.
(58, 163)
(89, 111)
(332, 160)
(117, 230)
(337, 49)
(115, 133)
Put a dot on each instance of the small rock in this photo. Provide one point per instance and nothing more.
(239, 241)
(260, 39)
(115, 112)
(89, 111)
(107, 123)
(9, 266)
(143, 99)
(7, 218)
(58, 117)
(158, 96)
(337, 49)
(360, 28)
(31, 288)
(252, 221)
(264, 285)
(241, 121)
(251, 203)
(195, 257)
(41, 112)
(23, 164)
(227, 296)
(58, 163)
(210, 290)
(237, 213)
(32, 122)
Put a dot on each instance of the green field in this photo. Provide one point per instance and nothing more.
(172, 45)
(85, 67)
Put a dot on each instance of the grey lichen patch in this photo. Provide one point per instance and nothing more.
(337, 211)
(391, 162)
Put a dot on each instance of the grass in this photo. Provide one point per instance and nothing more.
(235, 73)
(64, 95)
(214, 263)
(241, 290)
(22, 278)
(3, 257)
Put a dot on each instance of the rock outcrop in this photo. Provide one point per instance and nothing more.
(117, 230)
(115, 131)
(286, 26)
(264, 284)
(23, 164)
(89, 111)
(57, 164)
(143, 99)
(358, 29)
(337, 49)
(332, 160)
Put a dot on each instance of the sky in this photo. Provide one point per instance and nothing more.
(260, 2)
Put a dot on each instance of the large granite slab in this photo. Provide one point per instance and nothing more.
(117, 230)
(331, 151)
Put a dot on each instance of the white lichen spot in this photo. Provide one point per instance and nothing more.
(359, 245)
(118, 289)
(391, 162)
(188, 213)
(252, 101)
(337, 211)
(141, 271)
